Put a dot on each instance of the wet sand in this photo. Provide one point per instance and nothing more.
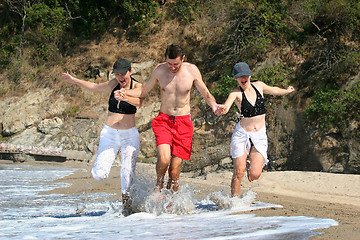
(311, 194)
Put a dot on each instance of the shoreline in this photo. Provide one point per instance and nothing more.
(311, 194)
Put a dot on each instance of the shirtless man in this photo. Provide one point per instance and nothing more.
(173, 127)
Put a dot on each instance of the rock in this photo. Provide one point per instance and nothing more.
(207, 150)
(36, 120)
(329, 142)
(326, 161)
(353, 126)
(81, 134)
(146, 113)
(354, 156)
(77, 155)
(31, 137)
(103, 74)
(50, 126)
(138, 67)
(148, 144)
(336, 168)
(23, 112)
(93, 70)
(226, 163)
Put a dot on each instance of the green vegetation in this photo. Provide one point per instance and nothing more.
(186, 11)
(48, 24)
(72, 110)
(326, 108)
(223, 87)
(253, 26)
(315, 42)
(334, 107)
(277, 75)
(138, 16)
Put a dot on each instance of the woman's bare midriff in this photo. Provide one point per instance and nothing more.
(120, 121)
(253, 124)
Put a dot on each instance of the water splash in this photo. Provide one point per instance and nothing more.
(166, 202)
(234, 203)
(28, 215)
(144, 199)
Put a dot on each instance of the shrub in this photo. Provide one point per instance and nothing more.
(277, 75)
(253, 26)
(330, 27)
(329, 65)
(90, 18)
(138, 16)
(326, 108)
(186, 11)
(72, 110)
(332, 107)
(48, 26)
(352, 101)
(8, 46)
(223, 87)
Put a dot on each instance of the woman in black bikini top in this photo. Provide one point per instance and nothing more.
(249, 137)
(122, 107)
(249, 110)
(119, 133)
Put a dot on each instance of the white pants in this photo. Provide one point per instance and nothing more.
(111, 140)
(240, 142)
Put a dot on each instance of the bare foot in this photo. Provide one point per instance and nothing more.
(158, 196)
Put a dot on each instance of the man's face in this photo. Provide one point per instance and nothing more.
(174, 64)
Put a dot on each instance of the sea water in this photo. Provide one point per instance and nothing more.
(27, 214)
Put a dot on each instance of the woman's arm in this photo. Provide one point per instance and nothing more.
(224, 108)
(90, 86)
(276, 90)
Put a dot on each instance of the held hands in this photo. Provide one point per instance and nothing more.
(120, 94)
(220, 110)
(214, 107)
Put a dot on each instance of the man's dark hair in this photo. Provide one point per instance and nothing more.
(173, 51)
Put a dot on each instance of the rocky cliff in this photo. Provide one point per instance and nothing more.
(40, 119)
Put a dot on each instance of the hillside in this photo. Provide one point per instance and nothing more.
(312, 45)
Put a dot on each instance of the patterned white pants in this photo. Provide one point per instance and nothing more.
(111, 141)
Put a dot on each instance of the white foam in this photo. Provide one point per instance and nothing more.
(175, 216)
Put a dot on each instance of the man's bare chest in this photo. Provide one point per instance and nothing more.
(176, 85)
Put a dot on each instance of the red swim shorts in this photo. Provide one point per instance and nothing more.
(176, 131)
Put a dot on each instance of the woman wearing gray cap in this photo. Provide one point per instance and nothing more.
(119, 130)
(249, 137)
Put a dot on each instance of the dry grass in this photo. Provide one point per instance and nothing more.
(104, 52)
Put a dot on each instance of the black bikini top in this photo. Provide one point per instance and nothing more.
(248, 110)
(121, 107)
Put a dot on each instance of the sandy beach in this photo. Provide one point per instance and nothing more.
(311, 194)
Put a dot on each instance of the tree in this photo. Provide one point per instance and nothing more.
(19, 7)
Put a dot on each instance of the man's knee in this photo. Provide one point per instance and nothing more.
(174, 173)
(163, 161)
